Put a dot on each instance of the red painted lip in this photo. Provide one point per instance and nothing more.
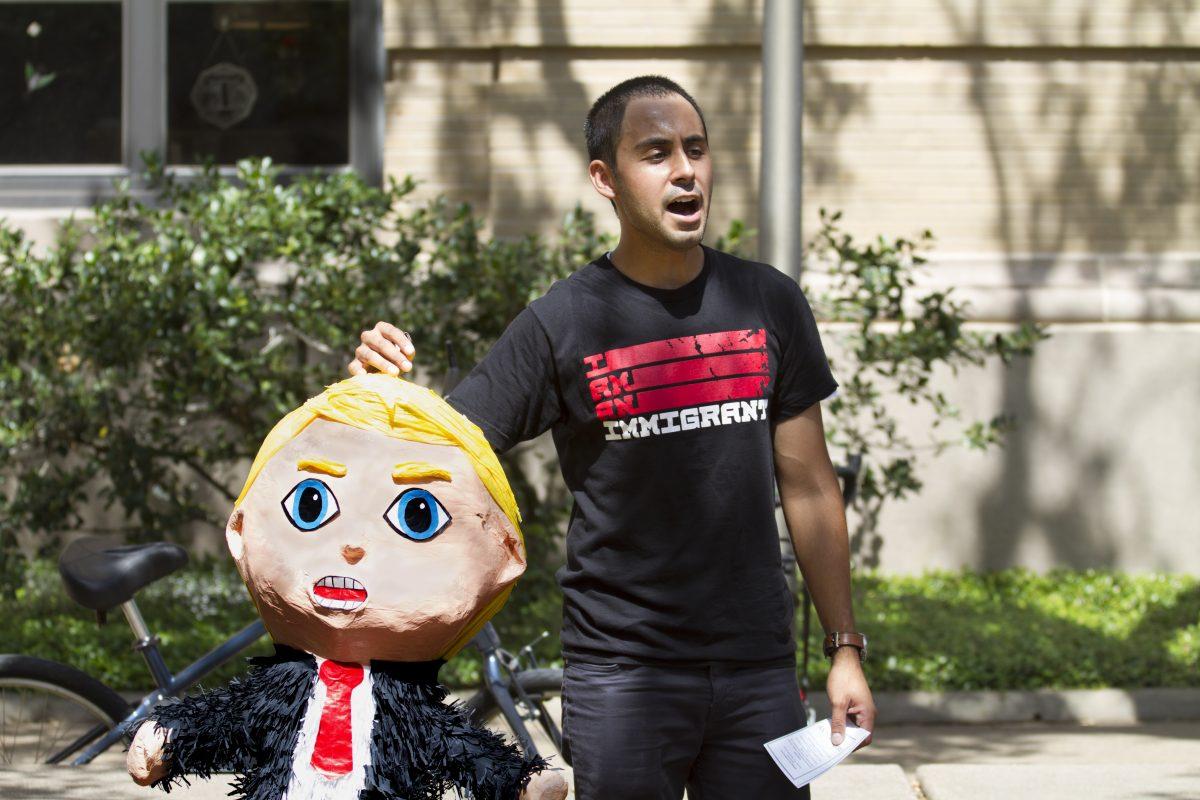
(330, 593)
(337, 587)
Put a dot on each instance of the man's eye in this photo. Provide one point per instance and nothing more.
(310, 505)
(416, 514)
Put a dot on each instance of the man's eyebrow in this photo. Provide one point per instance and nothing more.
(652, 141)
(417, 471)
(696, 138)
(321, 465)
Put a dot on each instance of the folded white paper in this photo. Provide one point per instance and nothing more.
(807, 753)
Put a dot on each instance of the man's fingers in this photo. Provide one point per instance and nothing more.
(864, 717)
(390, 351)
(355, 367)
(396, 336)
(375, 360)
(837, 723)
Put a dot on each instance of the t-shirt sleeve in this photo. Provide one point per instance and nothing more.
(803, 377)
(513, 393)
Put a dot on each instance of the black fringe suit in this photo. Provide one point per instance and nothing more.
(420, 747)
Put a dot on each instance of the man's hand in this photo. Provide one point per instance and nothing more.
(384, 348)
(545, 785)
(849, 694)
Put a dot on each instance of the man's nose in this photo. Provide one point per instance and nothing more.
(684, 171)
(352, 554)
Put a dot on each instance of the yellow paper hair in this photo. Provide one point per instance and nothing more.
(403, 410)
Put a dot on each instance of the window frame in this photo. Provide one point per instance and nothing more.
(144, 114)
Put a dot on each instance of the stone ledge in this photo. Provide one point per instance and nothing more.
(1093, 706)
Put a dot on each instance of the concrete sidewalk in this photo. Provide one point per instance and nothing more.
(912, 762)
(107, 780)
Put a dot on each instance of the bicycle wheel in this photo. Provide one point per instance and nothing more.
(541, 686)
(49, 711)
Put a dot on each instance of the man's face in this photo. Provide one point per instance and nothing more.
(663, 176)
(387, 562)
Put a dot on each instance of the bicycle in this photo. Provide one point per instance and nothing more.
(83, 716)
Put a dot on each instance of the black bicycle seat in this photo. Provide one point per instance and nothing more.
(99, 576)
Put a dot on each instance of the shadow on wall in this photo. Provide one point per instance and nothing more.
(1072, 206)
(724, 83)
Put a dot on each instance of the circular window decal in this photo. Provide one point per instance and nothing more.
(224, 94)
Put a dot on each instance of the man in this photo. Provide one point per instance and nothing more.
(678, 382)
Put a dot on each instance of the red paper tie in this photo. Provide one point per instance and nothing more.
(333, 752)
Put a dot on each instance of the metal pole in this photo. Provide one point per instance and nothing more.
(781, 183)
(781, 168)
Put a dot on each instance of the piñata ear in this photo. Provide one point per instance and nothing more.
(501, 529)
(233, 534)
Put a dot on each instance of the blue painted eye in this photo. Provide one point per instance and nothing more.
(310, 505)
(416, 514)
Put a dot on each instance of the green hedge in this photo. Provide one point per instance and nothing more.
(1012, 629)
(1018, 629)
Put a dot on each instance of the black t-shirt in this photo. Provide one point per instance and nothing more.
(662, 404)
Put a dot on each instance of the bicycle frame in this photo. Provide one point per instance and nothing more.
(495, 669)
(167, 685)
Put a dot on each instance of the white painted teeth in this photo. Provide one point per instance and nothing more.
(338, 582)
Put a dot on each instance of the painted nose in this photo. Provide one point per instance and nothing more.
(352, 554)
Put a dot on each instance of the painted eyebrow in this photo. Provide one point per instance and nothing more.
(321, 465)
(418, 471)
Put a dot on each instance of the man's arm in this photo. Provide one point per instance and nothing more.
(816, 520)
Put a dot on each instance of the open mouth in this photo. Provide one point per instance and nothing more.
(687, 209)
(336, 592)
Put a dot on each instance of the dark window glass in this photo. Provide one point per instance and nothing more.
(258, 79)
(60, 83)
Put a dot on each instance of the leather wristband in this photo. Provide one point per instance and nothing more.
(838, 639)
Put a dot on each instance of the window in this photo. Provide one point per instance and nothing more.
(85, 87)
(60, 83)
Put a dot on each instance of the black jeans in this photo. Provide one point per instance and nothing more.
(645, 732)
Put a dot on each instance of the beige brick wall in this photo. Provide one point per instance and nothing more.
(1052, 147)
(1019, 132)
(679, 23)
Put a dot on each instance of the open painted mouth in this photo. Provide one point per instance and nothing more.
(687, 209)
(342, 594)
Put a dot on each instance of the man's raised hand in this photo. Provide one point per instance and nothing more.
(384, 348)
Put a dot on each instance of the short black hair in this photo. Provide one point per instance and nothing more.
(602, 129)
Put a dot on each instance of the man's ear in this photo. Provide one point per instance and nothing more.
(603, 179)
(233, 533)
(499, 526)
